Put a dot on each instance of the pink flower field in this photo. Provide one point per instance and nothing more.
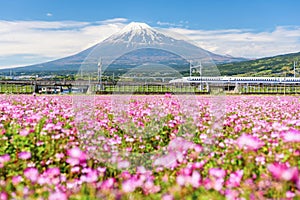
(150, 147)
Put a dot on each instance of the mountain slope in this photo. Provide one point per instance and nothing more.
(270, 66)
(127, 43)
(139, 35)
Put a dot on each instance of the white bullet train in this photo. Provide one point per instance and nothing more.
(238, 80)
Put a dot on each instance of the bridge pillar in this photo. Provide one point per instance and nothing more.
(35, 88)
(70, 89)
(89, 89)
(236, 89)
(207, 87)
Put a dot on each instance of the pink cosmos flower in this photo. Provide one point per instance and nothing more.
(101, 170)
(249, 142)
(31, 173)
(167, 161)
(168, 95)
(207, 183)
(218, 184)
(150, 188)
(189, 178)
(76, 156)
(75, 152)
(49, 126)
(290, 194)
(167, 197)
(141, 170)
(16, 179)
(24, 155)
(3, 159)
(75, 169)
(53, 172)
(260, 160)
(198, 165)
(57, 195)
(195, 179)
(217, 173)
(59, 156)
(125, 175)
(128, 186)
(3, 196)
(180, 144)
(90, 177)
(186, 171)
(298, 183)
(235, 179)
(24, 132)
(282, 172)
(42, 180)
(231, 194)
(180, 179)
(291, 135)
(216, 180)
(123, 164)
(108, 184)
(198, 148)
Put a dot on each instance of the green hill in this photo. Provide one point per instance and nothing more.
(271, 66)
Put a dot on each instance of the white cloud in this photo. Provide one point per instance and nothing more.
(29, 42)
(181, 24)
(165, 23)
(246, 43)
(115, 20)
(45, 40)
(49, 14)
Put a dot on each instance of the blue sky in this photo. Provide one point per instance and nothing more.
(33, 31)
(200, 14)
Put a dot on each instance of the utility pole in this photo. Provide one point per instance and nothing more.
(200, 71)
(100, 73)
(198, 68)
(295, 63)
(190, 69)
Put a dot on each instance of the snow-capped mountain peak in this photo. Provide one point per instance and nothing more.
(135, 26)
(137, 33)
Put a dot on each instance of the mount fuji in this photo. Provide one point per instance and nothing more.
(135, 44)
